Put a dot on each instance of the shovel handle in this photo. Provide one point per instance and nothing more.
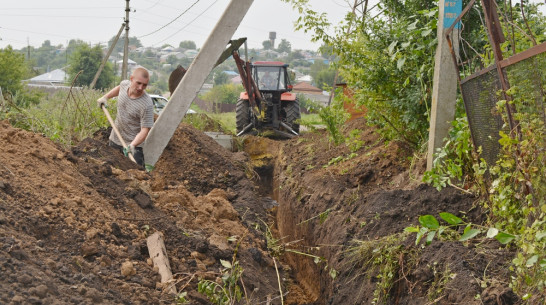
(116, 131)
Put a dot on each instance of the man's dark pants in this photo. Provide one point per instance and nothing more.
(139, 154)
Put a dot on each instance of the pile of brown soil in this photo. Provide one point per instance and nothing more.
(69, 220)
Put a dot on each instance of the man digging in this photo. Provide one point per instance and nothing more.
(135, 114)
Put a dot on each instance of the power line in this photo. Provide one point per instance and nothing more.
(171, 20)
(185, 26)
(24, 31)
(153, 5)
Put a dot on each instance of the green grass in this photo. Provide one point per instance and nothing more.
(310, 119)
(226, 120)
(65, 118)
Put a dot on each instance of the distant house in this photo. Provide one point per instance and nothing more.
(311, 92)
(178, 55)
(191, 53)
(230, 73)
(57, 77)
(304, 78)
(237, 80)
(131, 64)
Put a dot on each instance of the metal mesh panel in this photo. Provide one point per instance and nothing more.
(481, 93)
(529, 78)
(480, 98)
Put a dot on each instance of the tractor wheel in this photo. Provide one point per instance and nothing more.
(242, 114)
(292, 111)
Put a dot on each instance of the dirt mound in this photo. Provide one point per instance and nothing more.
(71, 219)
(196, 161)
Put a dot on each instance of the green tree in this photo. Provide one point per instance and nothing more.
(133, 41)
(325, 78)
(88, 60)
(267, 45)
(220, 78)
(316, 68)
(12, 65)
(284, 46)
(187, 44)
(225, 94)
(386, 60)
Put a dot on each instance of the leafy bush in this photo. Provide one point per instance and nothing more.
(516, 193)
(12, 65)
(226, 94)
(333, 117)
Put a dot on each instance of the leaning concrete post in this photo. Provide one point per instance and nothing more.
(192, 81)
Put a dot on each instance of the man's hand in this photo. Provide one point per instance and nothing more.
(102, 101)
(129, 150)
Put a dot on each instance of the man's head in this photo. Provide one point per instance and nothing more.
(139, 81)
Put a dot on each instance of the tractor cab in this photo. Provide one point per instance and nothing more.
(271, 76)
(267, 102)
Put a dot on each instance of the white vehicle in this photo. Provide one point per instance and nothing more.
(160, 102)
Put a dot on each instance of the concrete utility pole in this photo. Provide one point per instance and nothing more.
(195, 77)
(444, 88)
(126, 45)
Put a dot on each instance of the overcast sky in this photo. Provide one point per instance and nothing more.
(35, 21)
(99, 20)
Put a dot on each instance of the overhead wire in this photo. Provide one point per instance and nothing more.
(189, 23)
(170, 22)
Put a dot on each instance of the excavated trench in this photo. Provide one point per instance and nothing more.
(264, 155)
(322, 213)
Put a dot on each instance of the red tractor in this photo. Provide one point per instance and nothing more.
(267, 103)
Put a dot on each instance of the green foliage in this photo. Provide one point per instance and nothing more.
(267, 45)
(453, 163)
(307, 103)
(12, 67)
(229, 291)
(321, 216)
(517, 195)
(88, 60)
(322, 74)
(284, 46)
(66, 119)
(309, 120)
(431, 228)
(333, 117)
(181, 298)
(516, 192)
(388, 61)
(187, 44)
(380, 258)
(226, 120)
(340, 159)
(133, 41)
(220, 78)
(226, 93)
(353, 141)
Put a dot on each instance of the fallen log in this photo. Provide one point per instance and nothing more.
(158, 254)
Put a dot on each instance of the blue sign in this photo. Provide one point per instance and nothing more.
(452, 10)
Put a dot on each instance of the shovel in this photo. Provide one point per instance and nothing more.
(116, 131)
